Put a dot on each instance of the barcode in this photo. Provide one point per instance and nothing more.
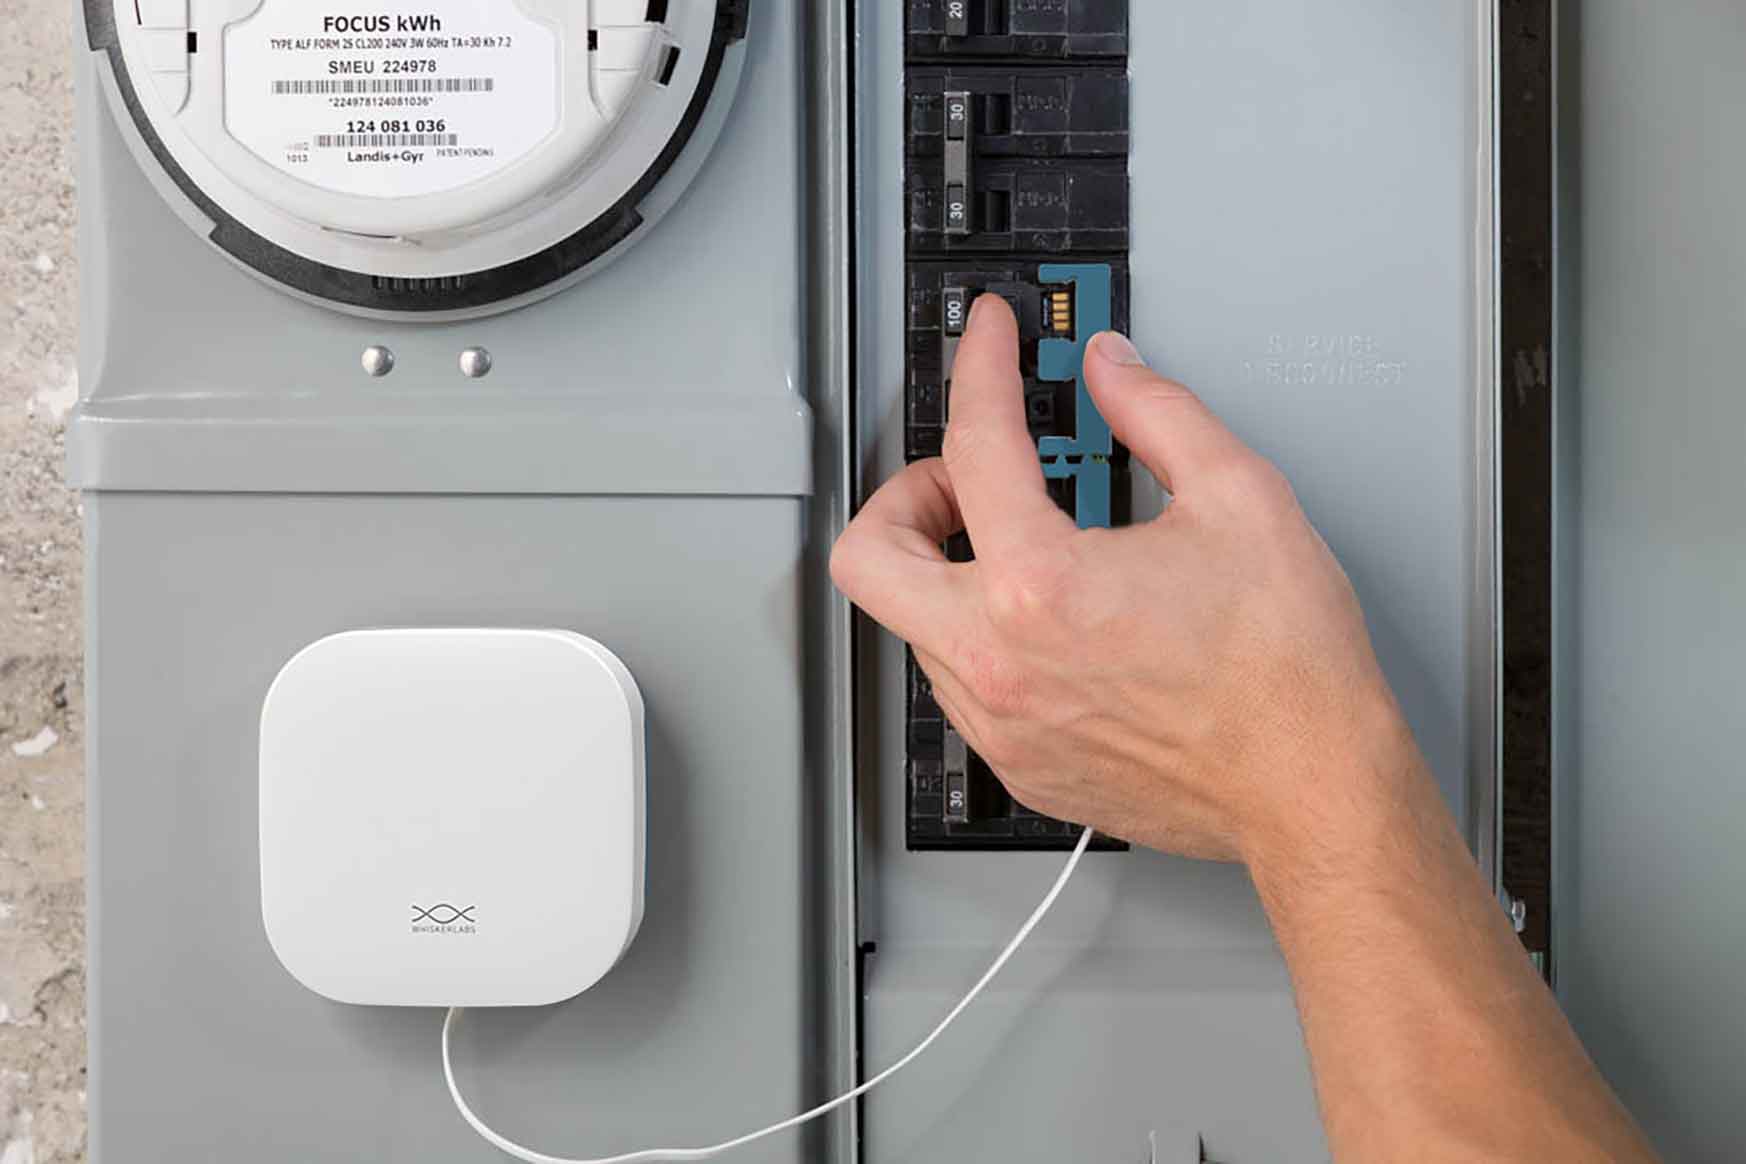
(353, 86)
(350, 141)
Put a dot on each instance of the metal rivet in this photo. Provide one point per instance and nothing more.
(378, 361)
(475, 362)
(1518, 911)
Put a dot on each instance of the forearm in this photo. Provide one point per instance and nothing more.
(1430, 1034)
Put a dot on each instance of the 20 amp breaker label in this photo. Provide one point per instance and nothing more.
(396, 101)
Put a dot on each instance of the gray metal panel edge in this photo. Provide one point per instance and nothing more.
(829, 275)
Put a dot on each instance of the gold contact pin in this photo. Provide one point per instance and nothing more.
(1061, 312)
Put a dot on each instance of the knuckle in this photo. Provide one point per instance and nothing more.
(1024, 597)
(1273, 492)
(1012, 603)
(1253, 482)
(846, 558)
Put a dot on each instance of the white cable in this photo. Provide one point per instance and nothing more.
(681, 1154)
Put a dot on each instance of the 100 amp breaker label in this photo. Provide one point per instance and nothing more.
(394, 102)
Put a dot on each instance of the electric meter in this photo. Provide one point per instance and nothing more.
(421, 156)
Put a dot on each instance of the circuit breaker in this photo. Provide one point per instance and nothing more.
(1016, 158)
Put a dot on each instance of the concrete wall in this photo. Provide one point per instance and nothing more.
(42, 927)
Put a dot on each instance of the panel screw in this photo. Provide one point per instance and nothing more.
(475, 363)
(1518, 910)
(378, 361)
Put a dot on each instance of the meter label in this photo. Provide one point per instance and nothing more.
(404, 100)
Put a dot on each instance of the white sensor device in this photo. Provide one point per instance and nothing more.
(452, 818)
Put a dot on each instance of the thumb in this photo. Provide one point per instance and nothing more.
(1165, 425)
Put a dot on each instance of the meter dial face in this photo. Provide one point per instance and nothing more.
(421, 156)
(402, 105)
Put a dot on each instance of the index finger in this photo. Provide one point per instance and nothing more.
(989, 453)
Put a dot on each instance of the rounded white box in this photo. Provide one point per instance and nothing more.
(452, 817)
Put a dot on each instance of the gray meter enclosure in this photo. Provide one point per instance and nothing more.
(249, 490)
(658, 459)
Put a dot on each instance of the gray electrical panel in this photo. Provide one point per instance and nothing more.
(1305, 250)
(645, 424)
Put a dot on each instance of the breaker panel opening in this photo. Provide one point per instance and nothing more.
(1017, 185)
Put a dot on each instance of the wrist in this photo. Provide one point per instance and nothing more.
(1356, 794)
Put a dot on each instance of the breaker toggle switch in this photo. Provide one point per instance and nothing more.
(957, 17)
(966, 18)
(957, 778)
(960, 149)
(955, 303)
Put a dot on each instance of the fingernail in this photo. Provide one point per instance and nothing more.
(1118, 349)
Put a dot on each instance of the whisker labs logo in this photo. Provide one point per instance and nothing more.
(444, 918)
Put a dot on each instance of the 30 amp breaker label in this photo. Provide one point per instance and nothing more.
(398, 101)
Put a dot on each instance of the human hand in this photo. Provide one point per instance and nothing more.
(1202, 684)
